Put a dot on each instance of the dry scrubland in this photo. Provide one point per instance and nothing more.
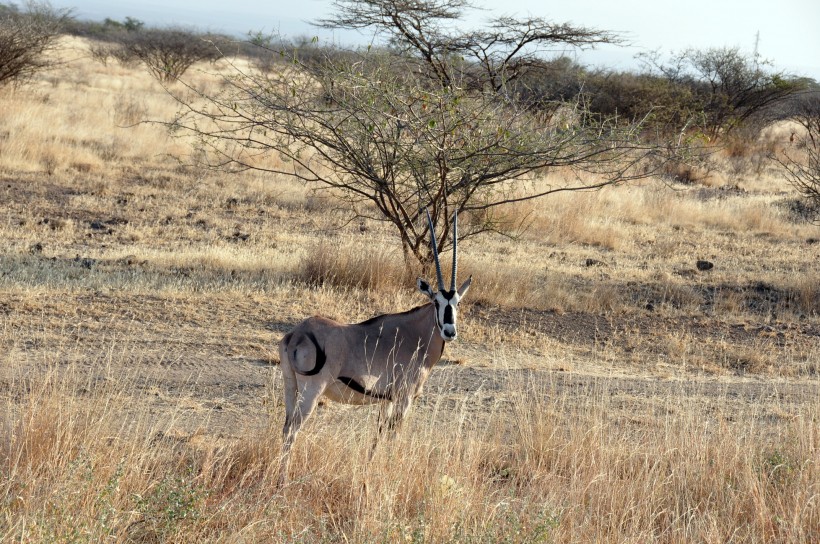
(602, 388)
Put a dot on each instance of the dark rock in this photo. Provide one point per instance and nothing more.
(85, 262)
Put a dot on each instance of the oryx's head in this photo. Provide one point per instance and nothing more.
(445, 301)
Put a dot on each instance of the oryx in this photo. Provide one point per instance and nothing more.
(385, 359)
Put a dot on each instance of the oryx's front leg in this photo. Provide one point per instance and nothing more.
(391, 416)
(385, 415)
(395, 417)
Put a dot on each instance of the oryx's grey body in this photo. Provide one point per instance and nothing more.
(386, 359)
(374, 361)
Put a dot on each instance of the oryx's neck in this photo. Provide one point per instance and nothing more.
(417, 327)
(431, 335)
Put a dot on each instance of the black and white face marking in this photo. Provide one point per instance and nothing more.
(446, 303)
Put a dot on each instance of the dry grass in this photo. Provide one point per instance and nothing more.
(74, 474)
(609, 390)
(543, 468)
(350, 267)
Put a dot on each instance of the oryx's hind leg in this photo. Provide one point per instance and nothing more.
(301, 398)
(307, 397)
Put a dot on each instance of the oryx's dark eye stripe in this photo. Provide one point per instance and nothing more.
(359, 388)
(321, 357)
(437, 313)
(448, 315)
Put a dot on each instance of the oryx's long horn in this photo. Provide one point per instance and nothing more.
(455, 252)
(435, 251)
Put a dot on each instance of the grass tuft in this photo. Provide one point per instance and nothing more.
(355, 267)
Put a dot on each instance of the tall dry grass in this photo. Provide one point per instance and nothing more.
(544, 467)
(355, 266)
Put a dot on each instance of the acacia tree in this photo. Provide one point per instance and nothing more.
(431, 121)
(166, 52)
(801, 161)
(727, 88)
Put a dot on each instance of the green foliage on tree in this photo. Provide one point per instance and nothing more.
(724, 89)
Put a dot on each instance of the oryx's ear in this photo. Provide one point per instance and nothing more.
(465, 287)
(424, 287)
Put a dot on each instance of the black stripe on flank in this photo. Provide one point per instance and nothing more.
(321, 357)
(358, 388)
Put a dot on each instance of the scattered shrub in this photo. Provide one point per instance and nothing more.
(26, 37)
(167, 53)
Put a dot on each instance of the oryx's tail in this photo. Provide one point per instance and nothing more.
(304, 353)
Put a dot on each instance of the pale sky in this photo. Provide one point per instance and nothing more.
(788, 29)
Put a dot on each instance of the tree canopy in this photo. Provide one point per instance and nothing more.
(432, 119)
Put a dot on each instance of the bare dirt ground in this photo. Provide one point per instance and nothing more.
(214, 370)
(69, 302)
